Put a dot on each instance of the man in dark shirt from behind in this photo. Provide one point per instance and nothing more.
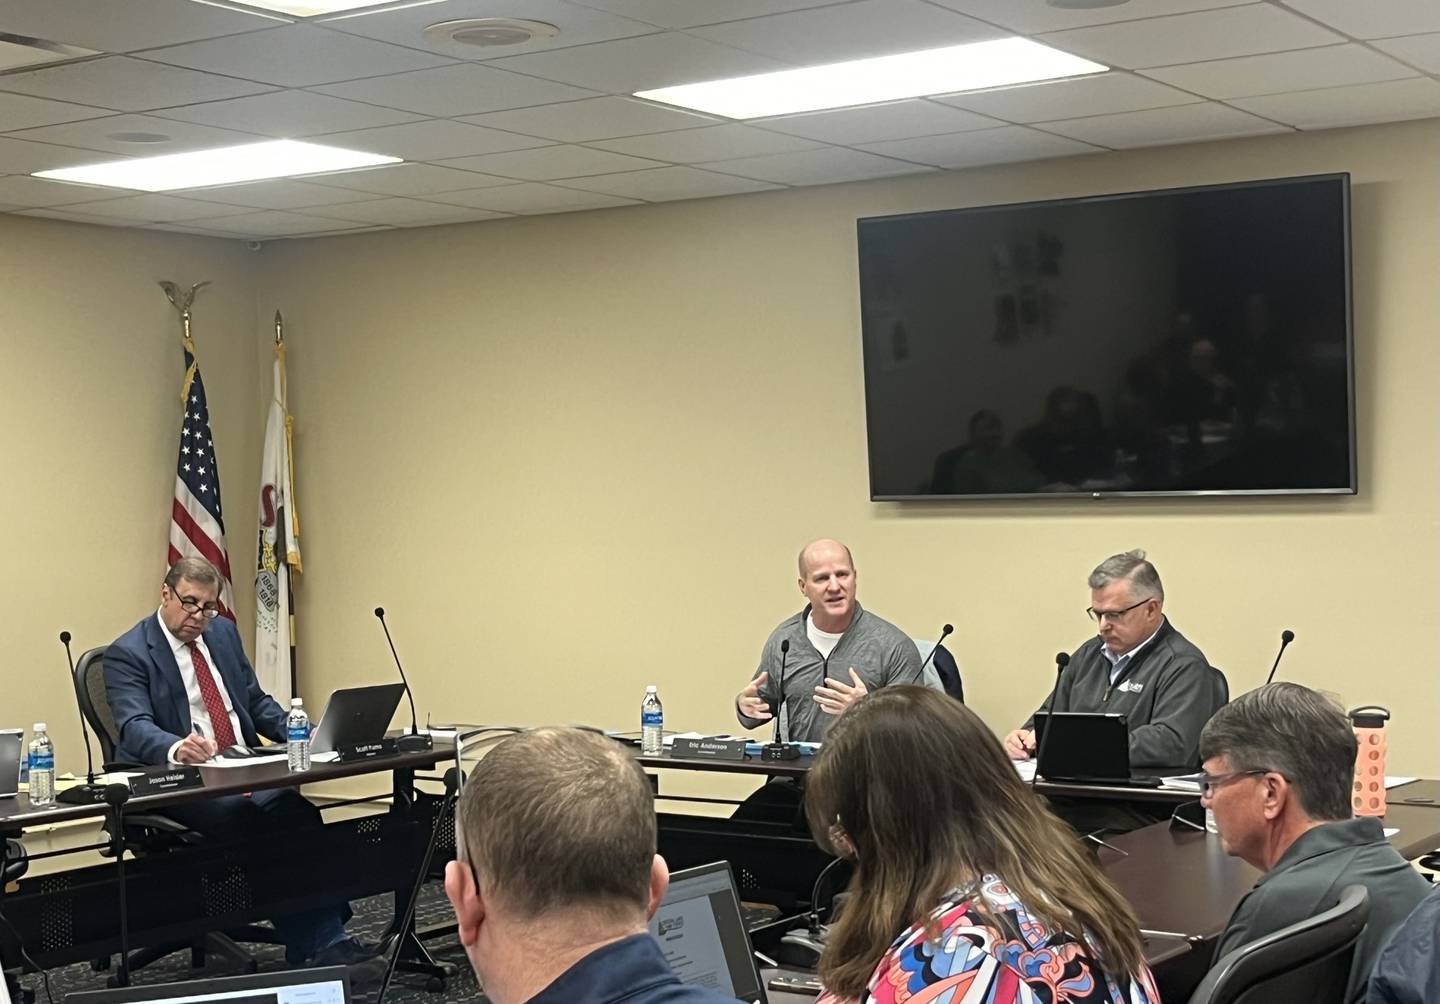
(1279, 768)
(555, 875)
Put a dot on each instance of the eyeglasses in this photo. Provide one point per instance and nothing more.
(193, 606)
(1210, 782)
(1100, 616)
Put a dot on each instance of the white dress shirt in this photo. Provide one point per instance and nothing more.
(183, 662)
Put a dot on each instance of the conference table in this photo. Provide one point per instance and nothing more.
(213, 885)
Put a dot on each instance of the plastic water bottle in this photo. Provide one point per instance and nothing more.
(42, 767)
(652, 722)
(297, 735)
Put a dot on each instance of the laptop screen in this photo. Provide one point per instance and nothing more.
(702, 931)
(298, 986)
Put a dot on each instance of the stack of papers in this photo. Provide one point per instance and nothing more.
(1026, 769)
(1183, 782)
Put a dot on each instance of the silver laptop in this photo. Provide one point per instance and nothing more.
(356, 715)
(702, 932)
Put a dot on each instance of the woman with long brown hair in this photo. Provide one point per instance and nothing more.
(962, 876)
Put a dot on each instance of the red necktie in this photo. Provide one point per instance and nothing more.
(214, 703)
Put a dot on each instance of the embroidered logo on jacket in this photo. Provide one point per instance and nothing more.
(1131, 687)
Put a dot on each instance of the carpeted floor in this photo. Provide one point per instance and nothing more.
(371, 917)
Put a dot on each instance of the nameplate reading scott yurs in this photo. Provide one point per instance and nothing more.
(172, 779)
(349, 753)
(711, 749)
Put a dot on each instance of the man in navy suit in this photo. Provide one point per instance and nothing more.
(181, 690)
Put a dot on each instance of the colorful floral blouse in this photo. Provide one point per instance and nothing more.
(1002, 956)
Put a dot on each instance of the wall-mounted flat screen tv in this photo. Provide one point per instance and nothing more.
(1187, 341)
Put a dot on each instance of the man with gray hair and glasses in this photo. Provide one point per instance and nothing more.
(1137, 665)
(555, 875)
(1279, 768)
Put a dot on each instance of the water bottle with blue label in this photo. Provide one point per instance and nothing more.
(297, 735)
(42, 767)
(652, 722)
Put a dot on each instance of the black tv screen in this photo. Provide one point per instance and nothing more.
(1193, 340)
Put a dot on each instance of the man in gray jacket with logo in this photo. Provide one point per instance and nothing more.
(1139, 666)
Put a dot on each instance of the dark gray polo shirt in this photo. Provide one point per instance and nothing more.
(1308, 878)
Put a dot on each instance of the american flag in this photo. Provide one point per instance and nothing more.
(197, 525)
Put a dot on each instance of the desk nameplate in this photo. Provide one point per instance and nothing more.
(710, 749)
(350, 753)
(172, 779)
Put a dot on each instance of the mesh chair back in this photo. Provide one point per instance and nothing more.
(1309, 961)
(95, 702)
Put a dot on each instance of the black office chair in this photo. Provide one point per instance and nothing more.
(151, 833)
(949, 671)
(1309, 961)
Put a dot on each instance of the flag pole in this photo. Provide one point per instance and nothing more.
(289, 459)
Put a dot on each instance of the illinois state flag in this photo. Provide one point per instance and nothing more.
(278, 545)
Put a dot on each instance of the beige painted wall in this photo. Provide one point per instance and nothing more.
(574, 455)
(90, 370)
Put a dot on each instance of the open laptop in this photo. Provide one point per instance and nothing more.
(1086, 747)
(702, 931)
(329, 985)
(356, 715)
(12, 750)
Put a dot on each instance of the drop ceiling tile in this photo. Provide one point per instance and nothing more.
(1188, 38)
(153, 208)
(297, 55)
(1373, 18)
(75, 217)
(280, 194)
(16, 54)
(850, 31)
(433, 139)
(99, 24)
(288, 114)
(18, 111)
(1100, 94)
(274, 223)
(987, 146)
(39, 193)
(185, 227)
(690, 13)
(593, 118)
(815, 167)
(578, 24)
(876, 123)
(407, 179)
(409, 212)
(98, 134)
(1032, 16)
(690, 146)
(1342, 106)
(669, 184)
(462, 89)
(1417, 50)
(1276, 72)
(550, 162)
(1160, 126)
(126, 84)
(18, 156)
(530, 198)
(636, 64)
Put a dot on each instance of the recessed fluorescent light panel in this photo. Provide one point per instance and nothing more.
(971, 67)
(282, 158)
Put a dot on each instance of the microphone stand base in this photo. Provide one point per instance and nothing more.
(81, 794)
(780, 751)
(414, 743)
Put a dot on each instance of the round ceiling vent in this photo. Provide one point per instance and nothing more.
(487, 32)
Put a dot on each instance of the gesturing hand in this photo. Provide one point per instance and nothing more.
(834, 697)
(750, 703)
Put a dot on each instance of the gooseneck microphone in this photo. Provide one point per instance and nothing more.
(1062, 659)
(775, 749)
(414, 742)
(88, 793)
(945, 632)
(1286, 637)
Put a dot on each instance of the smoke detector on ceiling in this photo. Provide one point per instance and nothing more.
(487, 33)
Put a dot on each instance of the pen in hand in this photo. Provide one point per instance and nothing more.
(197, 730)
